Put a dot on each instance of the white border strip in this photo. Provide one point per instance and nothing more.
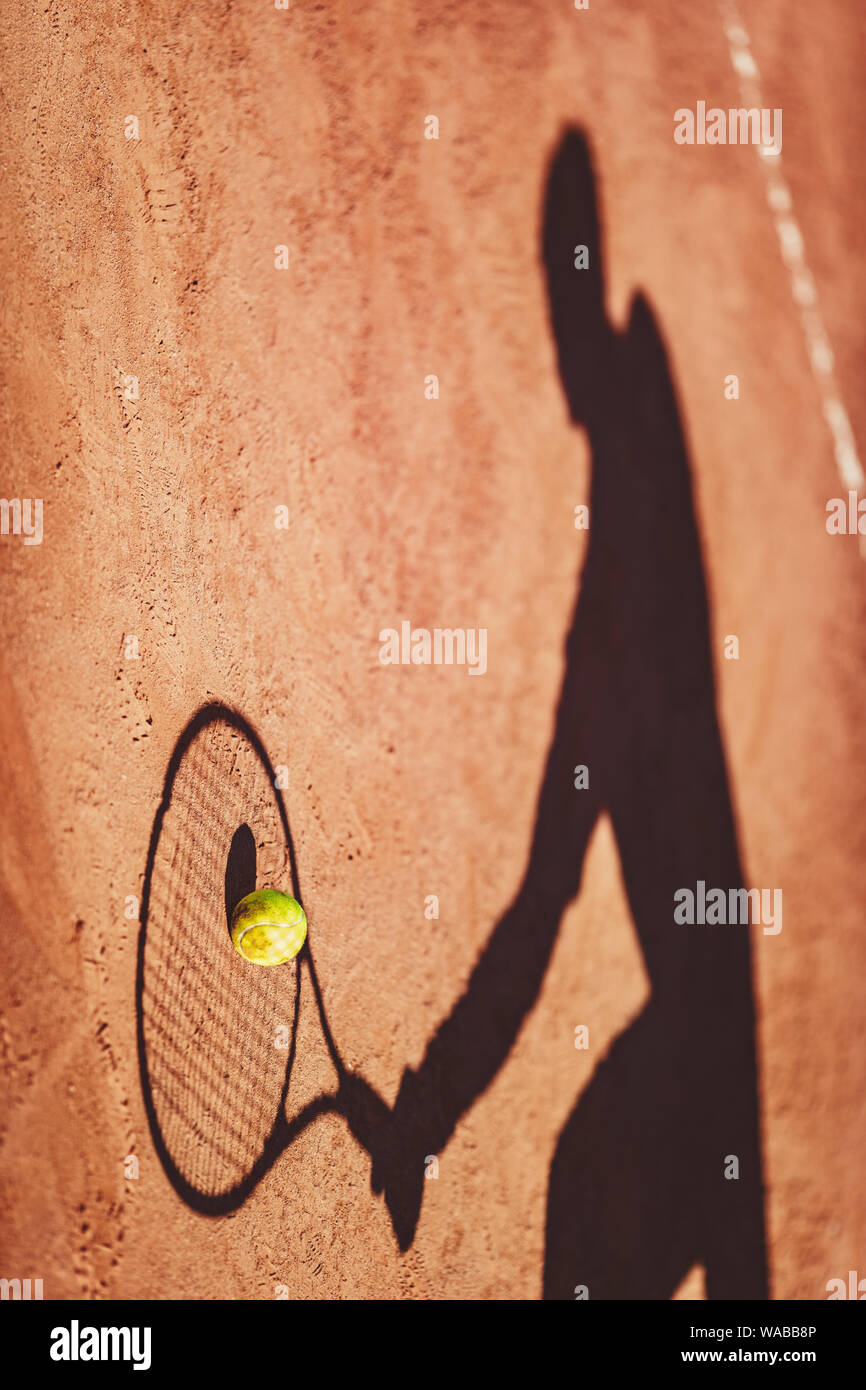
(803, 289)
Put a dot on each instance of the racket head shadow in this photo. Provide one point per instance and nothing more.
(216, 1034)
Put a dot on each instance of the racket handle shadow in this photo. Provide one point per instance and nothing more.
(368, 1116)
(373, 1125)
(381, 1131)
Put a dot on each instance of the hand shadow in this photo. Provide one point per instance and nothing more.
(637, 1192)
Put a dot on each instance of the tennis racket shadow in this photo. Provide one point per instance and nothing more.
(217, 1037)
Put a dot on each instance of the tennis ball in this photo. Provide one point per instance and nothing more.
(268, 927)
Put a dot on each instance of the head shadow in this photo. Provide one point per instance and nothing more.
(571, 236)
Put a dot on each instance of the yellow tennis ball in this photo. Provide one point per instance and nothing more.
(268, 927)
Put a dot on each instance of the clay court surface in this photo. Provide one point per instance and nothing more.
(257, 388)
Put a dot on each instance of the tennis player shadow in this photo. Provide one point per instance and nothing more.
(637, 1194)
(637, 1189)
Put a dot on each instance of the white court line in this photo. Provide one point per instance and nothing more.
(793, 250)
